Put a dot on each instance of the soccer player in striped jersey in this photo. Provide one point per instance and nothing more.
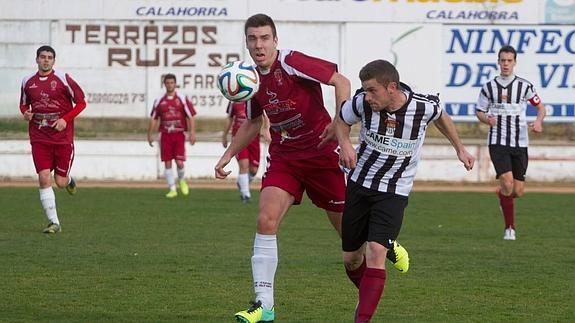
(175, 115)
(394, 120)
(249, 158)
(502, 104)
(50, 100)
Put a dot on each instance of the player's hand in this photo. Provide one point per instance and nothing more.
(536, 126)
(467, 159)
(219, 168)
(59, 124)
(225, 141)
(150, 141)
(192, 139)
(347, 156)
(28, 115)
(492, 120)
(328, 134)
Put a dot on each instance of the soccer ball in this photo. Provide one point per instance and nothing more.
(238, 81)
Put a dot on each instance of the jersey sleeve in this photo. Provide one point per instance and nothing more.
(532, 96)
(230, 110)
(253, 109)
(154, 112)
(308, 67)
(483, 100)
(77, 97)
(352, 110)
(189, 107)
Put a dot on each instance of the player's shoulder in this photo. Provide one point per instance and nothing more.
(523, 80)
(28, 77)
(426, 98)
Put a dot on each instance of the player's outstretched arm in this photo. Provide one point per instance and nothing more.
(152, 127)
(537, 125)
(447, 128)
(342, 93)
(241, 140)
(226, 132)
(347, 154)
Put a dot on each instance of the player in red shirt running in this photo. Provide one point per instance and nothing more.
(302, 153)
(175, 114)
(50, 100)
(249, 158)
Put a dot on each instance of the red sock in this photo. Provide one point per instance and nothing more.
(356, 275)
(370, 291)
(508, 209)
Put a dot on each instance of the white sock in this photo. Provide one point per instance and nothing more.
(181, 173)
(170, 179)
(244, 184)
(264, 265)
(48, 200)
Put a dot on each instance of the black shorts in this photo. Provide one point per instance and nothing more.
(370, 215)
(509, 159)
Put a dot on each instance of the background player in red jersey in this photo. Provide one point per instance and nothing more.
(50, 101)
(502, 105)
(175, 115)
(249, 158)
(302, 154)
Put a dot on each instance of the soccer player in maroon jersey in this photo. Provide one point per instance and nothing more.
(302, 153)
(249, 158)
(49, 101)
(175, 114)
(502, 105)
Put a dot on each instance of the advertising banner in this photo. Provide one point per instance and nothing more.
(545, 57)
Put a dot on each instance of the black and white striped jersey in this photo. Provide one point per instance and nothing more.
(506, 98)
(390, 143)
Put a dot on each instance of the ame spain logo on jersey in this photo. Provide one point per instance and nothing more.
(389, 145)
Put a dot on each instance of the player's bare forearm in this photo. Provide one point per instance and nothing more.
(342, 90)
(151, 128)
(245, 134)
(447, 128)
(347, 155)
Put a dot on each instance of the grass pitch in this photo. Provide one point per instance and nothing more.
(131, 255)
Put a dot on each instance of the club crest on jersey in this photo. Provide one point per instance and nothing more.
(390, 126)
(53, 85)
(279, 77)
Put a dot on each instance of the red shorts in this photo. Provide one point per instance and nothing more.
(57, 157)
(320, 177)
(172, 146)
(251, 152)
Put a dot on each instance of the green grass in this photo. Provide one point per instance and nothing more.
(130, 255)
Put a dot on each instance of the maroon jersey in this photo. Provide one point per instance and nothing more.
(172, 112)
(290, 93)
(50, 98)
(237, 111)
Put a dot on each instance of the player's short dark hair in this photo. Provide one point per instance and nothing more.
(507, 49)
(45, 48)
(169, 76)
(381, 70)
(260, 20)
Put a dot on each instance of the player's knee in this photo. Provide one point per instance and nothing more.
(352, 260)
(61, 182)
(268, 223)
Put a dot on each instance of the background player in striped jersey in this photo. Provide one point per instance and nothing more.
(502, 105)
(302, 153)
(249, 158)
(394, 121)
(50, 100)
(175, 114)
